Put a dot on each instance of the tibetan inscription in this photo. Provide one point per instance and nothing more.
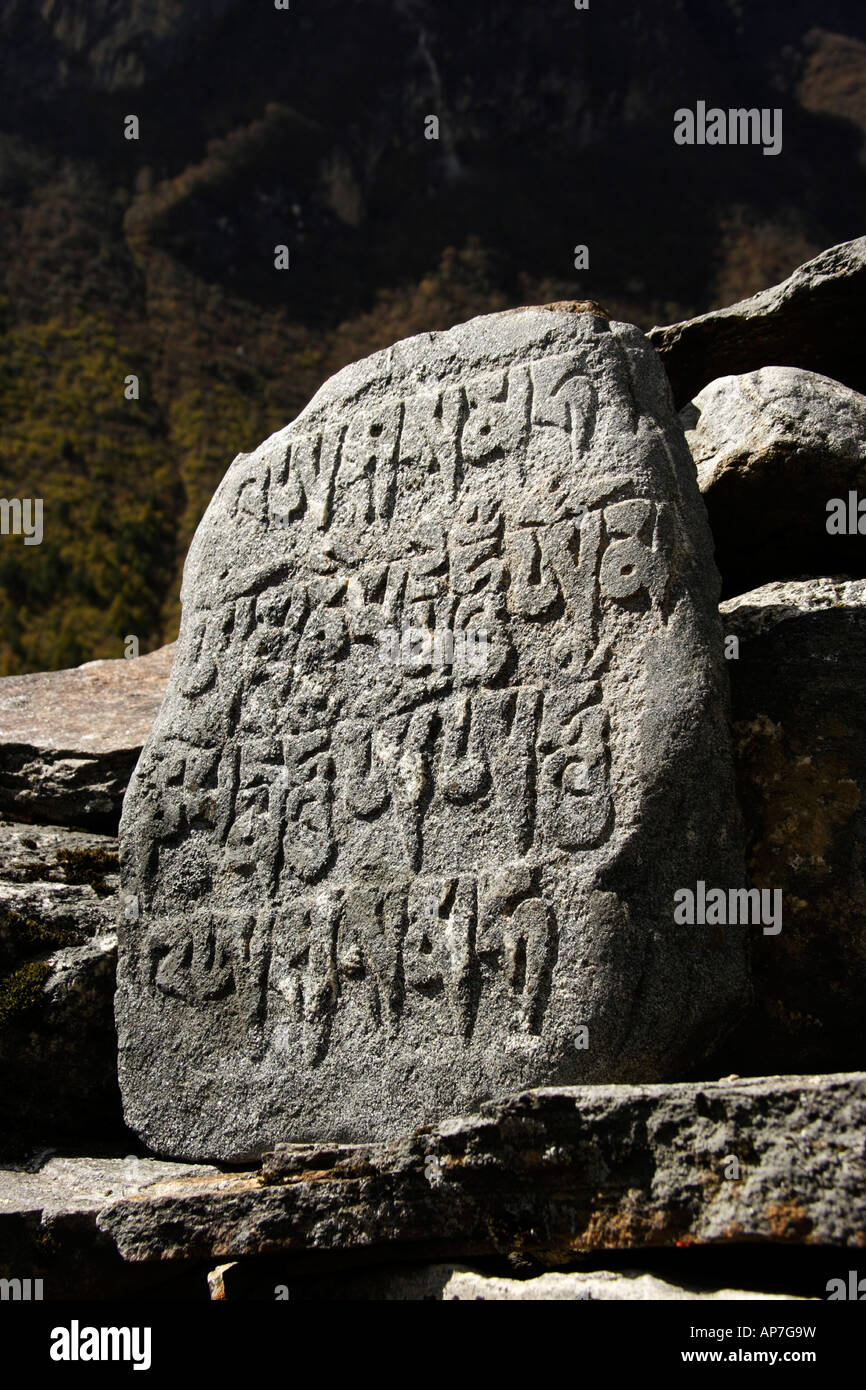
(445, 732)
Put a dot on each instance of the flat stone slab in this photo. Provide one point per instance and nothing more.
(48, 1228)
(811, 320)
(761, 611)
(70, 739)
(444, 1283)
(63, 1184)
(600, 1286)
(450, 668)
(547, 1174)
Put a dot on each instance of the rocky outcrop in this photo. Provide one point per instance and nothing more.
(772, 448)
(547, 1174)
(70, 739)
(58, 948)
(811, 320)
(800, 729)
(63, 880)
(799, 720)
(558, 1179)
(48, 1227)
(590, 1192)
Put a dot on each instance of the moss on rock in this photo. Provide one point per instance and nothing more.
(20, 990)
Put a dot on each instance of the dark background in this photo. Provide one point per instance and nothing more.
(306, 127)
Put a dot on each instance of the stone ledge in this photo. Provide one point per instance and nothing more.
(547, 1173)
(69, 740)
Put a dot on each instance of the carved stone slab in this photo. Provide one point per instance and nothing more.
(444, 733)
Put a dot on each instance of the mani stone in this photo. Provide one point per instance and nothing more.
(444, 733)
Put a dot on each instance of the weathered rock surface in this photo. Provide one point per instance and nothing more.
(450, 1283)
(803, 790)
(58, 1050)
(377, 887)
(772, 447)
(70, 739)
(48, 1228)
(63, 881)
(581, 1180)
(445, 1284)
(799, 710)
(548, 1175)
(811, 320)
(63, 1184)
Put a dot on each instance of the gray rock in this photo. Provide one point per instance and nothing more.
(70, 739)
(600, 1286)
(799, 710)
(58, 1050)
(810, 320)
(772, 448)
(374, 888)
(546, 1175)
(763, 610)
(57, 888)
(48, 1230)
(62, 1184)
(449, 1283)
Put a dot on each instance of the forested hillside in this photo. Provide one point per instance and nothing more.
(155, 257)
